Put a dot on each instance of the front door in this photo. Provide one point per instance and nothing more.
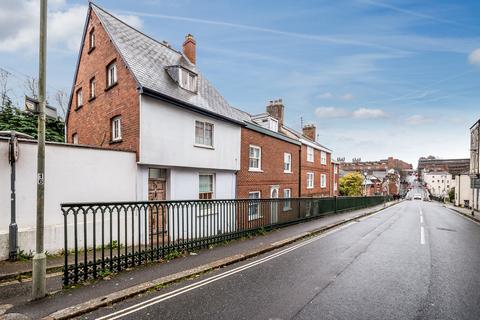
(157, 182)
(274, 204)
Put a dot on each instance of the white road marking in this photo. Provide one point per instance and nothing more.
(422, 235)
(421, 219)
(147, 303)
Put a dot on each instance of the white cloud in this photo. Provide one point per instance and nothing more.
(65, 24)
(418, 119)
(474, 57)
(325, 95)
(331, 112)
(360, 113)
(347, 97)
(366, 113)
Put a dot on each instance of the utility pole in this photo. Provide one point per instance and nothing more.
(40, 259)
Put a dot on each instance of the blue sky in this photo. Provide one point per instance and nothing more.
(378, 78)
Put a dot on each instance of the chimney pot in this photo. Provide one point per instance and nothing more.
(189, 48)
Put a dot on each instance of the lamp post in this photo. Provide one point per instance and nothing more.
(39, 264)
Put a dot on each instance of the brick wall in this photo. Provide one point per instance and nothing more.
(272, 165)
(92, 121)
(272, 174)
(317, 170)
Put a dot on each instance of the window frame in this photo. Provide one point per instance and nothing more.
(79, 98)
(75, 138)
(310, 183)
(287, 204)
(323, 180)
(92, 93)
(256, 204)
(323, 157)
(289, 162)
(91, 40)
(310, 154)
(188, 80)
(113, 121)
(204, 124)
(212, 182)
(259, 159)
(335, 168)
(110, 82)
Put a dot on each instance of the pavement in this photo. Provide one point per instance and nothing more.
(59, 304)
(415, 260)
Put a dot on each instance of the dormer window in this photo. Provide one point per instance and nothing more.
(185, 78)
(188, 80)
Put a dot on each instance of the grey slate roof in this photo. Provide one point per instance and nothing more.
(147, 60)
(297, 135)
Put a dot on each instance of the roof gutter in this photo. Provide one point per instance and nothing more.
(163, 97)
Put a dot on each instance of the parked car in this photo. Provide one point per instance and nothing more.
(417, 197)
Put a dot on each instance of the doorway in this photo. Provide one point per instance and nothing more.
(157, 184)
(274, 204)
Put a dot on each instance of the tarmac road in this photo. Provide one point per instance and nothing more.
(415, 260)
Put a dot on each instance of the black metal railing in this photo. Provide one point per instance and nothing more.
(101, 238)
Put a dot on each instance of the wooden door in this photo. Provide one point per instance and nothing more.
(156, 192)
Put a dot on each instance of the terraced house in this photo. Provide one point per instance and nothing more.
(134, 93)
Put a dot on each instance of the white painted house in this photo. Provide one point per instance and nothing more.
(438, 183)
(185, 134)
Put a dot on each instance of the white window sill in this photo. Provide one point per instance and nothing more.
(310, 161)
(309, 187)
(287, 209)
(203, 146)
(287, 172)
(255, 170)
(255, 217)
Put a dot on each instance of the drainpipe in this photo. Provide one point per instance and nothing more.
(12, 228)
(300, 172)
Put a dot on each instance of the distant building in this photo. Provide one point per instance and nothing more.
(391, 172)
(432, 164)
(438, 183)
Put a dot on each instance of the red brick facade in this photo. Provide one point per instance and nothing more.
(91, 122)
(335, 176)
(317, 169)
(272, 165)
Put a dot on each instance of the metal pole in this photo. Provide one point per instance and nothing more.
(40, 259)
(12, 228)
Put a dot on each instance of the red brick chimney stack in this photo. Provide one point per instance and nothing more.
(189, 48)
(310, 131)
(276, 109)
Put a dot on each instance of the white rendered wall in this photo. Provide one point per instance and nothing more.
(167, 138)
(462, 190)
(72, 174)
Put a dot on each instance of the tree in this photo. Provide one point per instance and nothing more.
(31, 87)
(451, 195)
(4, 87)
(351, 184)
(12, 118)
(61, 98)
